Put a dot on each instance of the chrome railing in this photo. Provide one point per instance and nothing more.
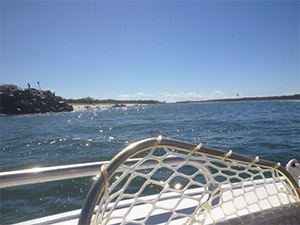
(54, 173)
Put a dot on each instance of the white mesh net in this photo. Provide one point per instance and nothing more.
(190, 188)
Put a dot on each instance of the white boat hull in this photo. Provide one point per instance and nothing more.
(273, 213)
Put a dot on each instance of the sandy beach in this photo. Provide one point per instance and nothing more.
(102, 105)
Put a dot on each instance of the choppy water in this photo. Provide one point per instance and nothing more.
(268, 129)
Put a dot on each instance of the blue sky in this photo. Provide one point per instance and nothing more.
(163, 50)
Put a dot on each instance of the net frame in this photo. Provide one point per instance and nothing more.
(99, 191)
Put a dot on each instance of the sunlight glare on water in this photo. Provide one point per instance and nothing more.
(270, 130)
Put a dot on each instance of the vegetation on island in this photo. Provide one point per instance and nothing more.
(89, 100)
(269, 98)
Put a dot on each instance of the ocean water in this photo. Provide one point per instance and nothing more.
(269, 129)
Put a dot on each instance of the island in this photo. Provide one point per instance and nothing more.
(15, 100)
(89, 102)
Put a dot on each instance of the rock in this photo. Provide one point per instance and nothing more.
(24, 101)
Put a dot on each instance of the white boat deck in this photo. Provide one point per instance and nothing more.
(272, 212)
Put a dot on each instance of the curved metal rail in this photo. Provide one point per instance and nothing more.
(108, 170)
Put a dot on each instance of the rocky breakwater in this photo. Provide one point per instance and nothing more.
(26, 101)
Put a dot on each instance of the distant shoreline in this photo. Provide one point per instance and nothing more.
(97, 105)
(77, 104)
(245, 99)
